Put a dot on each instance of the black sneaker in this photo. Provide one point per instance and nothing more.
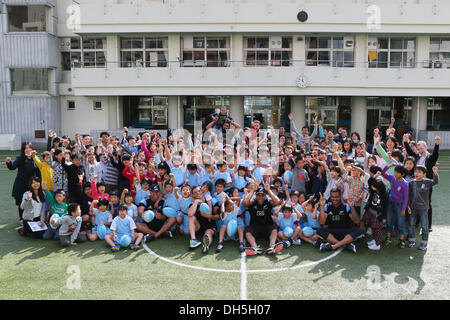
(206, 244)
(351, 247)
(168, 234)
(326, 246)
(241, 247)
(148, 237)
(219, 247)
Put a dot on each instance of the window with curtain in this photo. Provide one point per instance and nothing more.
(29, 80)
(391, 52)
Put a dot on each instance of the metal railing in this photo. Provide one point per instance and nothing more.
(427, 64)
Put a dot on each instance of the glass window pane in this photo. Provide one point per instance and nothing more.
(100, 59)
(382, 59)
(99, 43)
(89, 44)
(324, 42)
(396, 44)
(75, 59)
(396, 59)
(125, 43)
(251, 42)
(445, 45)
(324, 58)
(75, 43)
(151, 43)
(338, 58)
(89, 59)
(408, 59)
(262, 57)
(213, 58)
(29, 80)
(383, 43)
(434, 44)
(199, 55)
(311, 42)
(262, 42)
(212, 43)
(275, 58)
(311, 58)
(25, 18)
(286, 58)
(348, 59)
(250, 58)
(223, 42)
(287, 42)
(187, 55)
(338, 43)
(137, 43)
(409, 44)
(199, 42)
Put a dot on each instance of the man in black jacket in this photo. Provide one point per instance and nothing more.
(424, 158)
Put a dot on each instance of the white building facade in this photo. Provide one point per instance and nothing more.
(160, 64)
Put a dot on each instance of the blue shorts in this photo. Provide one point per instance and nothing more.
(94, 230)
(119, 235)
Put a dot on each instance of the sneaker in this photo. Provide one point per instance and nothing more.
(286, 244)
(315, 243)
(21, 223)
(206, 244)
(297, 242)
(370, 242)
(387, 241)
(326, 246)
(411, 244)
(422, 246)
(219, 247)
(134, 246)
(241, 247)
(361, 238)
(351, 247)
(168, 234)
(369, 231)
(194, 243)
(253, 251)
(430, 230)
(402, 244)
(374, 246)
(148, 237)
(275, 248)
(115, 248)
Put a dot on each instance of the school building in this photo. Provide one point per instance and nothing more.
(92, 65)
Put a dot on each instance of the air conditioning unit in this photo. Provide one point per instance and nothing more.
(427, 64)
(437, 64)
(372, 44)
(275, 42)
(349, 43)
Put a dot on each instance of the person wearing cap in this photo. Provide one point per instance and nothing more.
(261, 222)
(161, 224)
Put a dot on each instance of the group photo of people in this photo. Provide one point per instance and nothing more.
(228, 187)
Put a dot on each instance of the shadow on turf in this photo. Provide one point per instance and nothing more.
(405, 263)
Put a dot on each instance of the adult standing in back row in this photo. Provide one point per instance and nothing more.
(303, 137)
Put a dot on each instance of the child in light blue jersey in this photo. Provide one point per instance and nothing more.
(218, 195)
(184, 202)
(100, 216)
(142, 190)
(310, 211)
(224, 175)
(122, 225)
(287, 176)
(207, 174)
(240, 179)
(178, 170)
(229, 212)
(192, 176)
(127, 199)
(288, 218)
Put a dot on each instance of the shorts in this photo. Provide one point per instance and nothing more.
(207, 226)
(155, 224)
(260, 231)
(94, 230)
(339, 234)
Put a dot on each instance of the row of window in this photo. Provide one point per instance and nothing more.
(214, 51)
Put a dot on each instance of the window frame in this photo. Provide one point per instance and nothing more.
(389, 52)
(46, 25)
(205, 50)
(267, 50)
(331, 50)
(32, 91)
(81, 51)
(144, 50)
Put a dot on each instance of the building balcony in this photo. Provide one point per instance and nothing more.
(237, 79)
(118, 16)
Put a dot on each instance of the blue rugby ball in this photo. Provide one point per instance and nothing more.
(232, 228)
(288, 232)
(170, 212)
(54, 219)
(101, 231)
(125, 240)
(204, 208)
(308, 232)
(148, 216)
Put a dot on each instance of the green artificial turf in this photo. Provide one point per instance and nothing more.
(38, 269)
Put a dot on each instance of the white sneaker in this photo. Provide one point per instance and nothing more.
(369, 231)
(373, 246)
(297, 242)
(370, 242)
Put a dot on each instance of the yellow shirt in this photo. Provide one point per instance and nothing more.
(46, 172)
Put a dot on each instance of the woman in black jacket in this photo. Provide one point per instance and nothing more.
(26, 169)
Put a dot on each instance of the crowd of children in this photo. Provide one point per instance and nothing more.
(324, 189)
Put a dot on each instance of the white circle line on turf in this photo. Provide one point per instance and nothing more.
(240, 270)
(243, 277)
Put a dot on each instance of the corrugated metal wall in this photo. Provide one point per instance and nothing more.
(23, 114)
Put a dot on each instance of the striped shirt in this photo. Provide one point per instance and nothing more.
(399, 189)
